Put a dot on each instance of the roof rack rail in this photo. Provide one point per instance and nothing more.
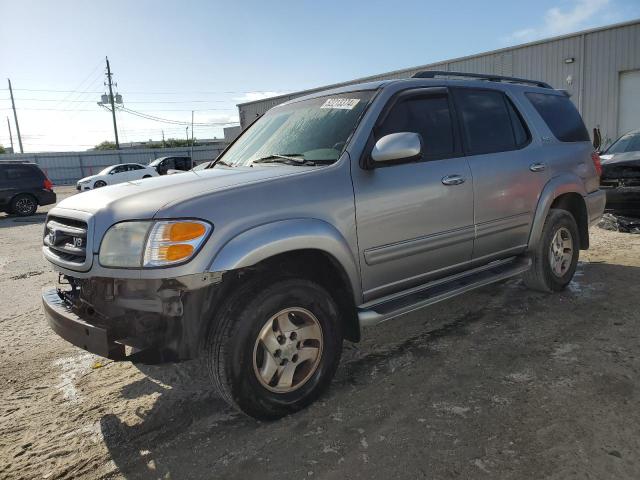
(481, 76)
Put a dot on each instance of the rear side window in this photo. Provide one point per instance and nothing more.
(561, 116)
(428, 116)
(490, 122)
(20, 172)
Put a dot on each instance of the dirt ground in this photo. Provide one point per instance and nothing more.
(500, 383)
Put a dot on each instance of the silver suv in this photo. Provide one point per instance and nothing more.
(331, 212)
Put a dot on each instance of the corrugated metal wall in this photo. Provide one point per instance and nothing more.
(64, 168)
(592, 79)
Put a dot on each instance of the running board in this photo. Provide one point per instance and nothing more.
(434, 292)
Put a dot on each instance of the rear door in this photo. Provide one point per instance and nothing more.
(413, 224)
(4, 188)
(509, 171)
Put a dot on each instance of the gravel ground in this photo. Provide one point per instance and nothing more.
(500, 383)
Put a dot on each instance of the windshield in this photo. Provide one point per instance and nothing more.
(105, 171)
(313, 130)
(155, 163)
(629, 142)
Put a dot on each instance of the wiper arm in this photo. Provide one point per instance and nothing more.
(278, 158)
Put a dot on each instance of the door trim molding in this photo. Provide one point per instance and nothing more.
(405, 248)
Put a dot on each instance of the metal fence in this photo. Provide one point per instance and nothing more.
(66, 168)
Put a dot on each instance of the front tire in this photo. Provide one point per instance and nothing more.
(555, 257)
(275, 346)
(99, 184)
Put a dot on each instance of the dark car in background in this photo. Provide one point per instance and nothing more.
(23, 187)
(164, 164)
(621, 174)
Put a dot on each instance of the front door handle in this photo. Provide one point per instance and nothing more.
(453, 180)
(537, 167)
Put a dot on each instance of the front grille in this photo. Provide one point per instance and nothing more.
(66, 239)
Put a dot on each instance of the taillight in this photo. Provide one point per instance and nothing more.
(596, 163)
(48, 184)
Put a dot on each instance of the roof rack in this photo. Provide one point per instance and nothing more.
(481, 76)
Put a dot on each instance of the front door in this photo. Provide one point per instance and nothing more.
(415, 218)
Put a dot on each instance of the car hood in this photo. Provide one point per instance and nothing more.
(144, 198)
(87, 179)
(617, 158)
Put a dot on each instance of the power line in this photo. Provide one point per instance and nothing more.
(171, 121)
(134, 102)
(147, 92)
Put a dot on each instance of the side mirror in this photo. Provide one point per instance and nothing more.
(397, 146)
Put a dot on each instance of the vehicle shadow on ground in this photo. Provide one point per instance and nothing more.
(8, 221)
(187, 412)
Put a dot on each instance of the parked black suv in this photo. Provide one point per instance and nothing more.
(23, 186)
(163, 165)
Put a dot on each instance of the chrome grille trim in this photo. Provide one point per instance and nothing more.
(67, 239)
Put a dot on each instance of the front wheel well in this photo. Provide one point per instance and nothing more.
(322, 268)
(575, 205)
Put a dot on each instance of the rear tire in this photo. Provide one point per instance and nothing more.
(275, 346)
(24, 205)
(556, 255)
(146, 176)
(99, 184)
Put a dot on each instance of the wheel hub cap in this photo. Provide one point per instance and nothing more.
(288, 350)
(561, 252)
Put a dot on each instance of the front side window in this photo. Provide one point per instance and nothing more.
(486, 121)
(427, 115)
(561, 116)
(314, 130)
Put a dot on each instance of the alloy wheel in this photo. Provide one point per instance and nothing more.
(561, 252)
(288, 350)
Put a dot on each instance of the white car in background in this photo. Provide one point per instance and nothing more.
(113, 174)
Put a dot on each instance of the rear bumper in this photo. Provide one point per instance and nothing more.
(46, 197)
(595, 202)
(73, 329)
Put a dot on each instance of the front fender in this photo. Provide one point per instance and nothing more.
(265, 241)
(564, 183)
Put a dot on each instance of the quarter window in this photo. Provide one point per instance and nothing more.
(561, 116)
(488, 121)
(430, 117)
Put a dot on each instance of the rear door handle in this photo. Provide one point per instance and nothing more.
(453, 180)
(537, 167)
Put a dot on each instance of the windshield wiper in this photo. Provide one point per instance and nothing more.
(297, 158)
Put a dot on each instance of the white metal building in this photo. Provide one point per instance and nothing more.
(600, 68)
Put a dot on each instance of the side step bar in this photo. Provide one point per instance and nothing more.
(437, 291)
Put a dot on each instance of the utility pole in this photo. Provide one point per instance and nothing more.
(10, 135)
(113, 107)
(186, 129)
(191, 155)
(163, 144)
(15, 117)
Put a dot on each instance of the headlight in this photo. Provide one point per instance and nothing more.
(152, 244)
(174, 242)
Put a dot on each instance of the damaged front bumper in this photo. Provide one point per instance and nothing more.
(131, 319)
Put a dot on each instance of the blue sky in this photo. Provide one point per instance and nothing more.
(172, 57)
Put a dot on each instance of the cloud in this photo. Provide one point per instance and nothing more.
(558, 21)
(258, 95)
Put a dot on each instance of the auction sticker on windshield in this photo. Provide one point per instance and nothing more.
(341, 103)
